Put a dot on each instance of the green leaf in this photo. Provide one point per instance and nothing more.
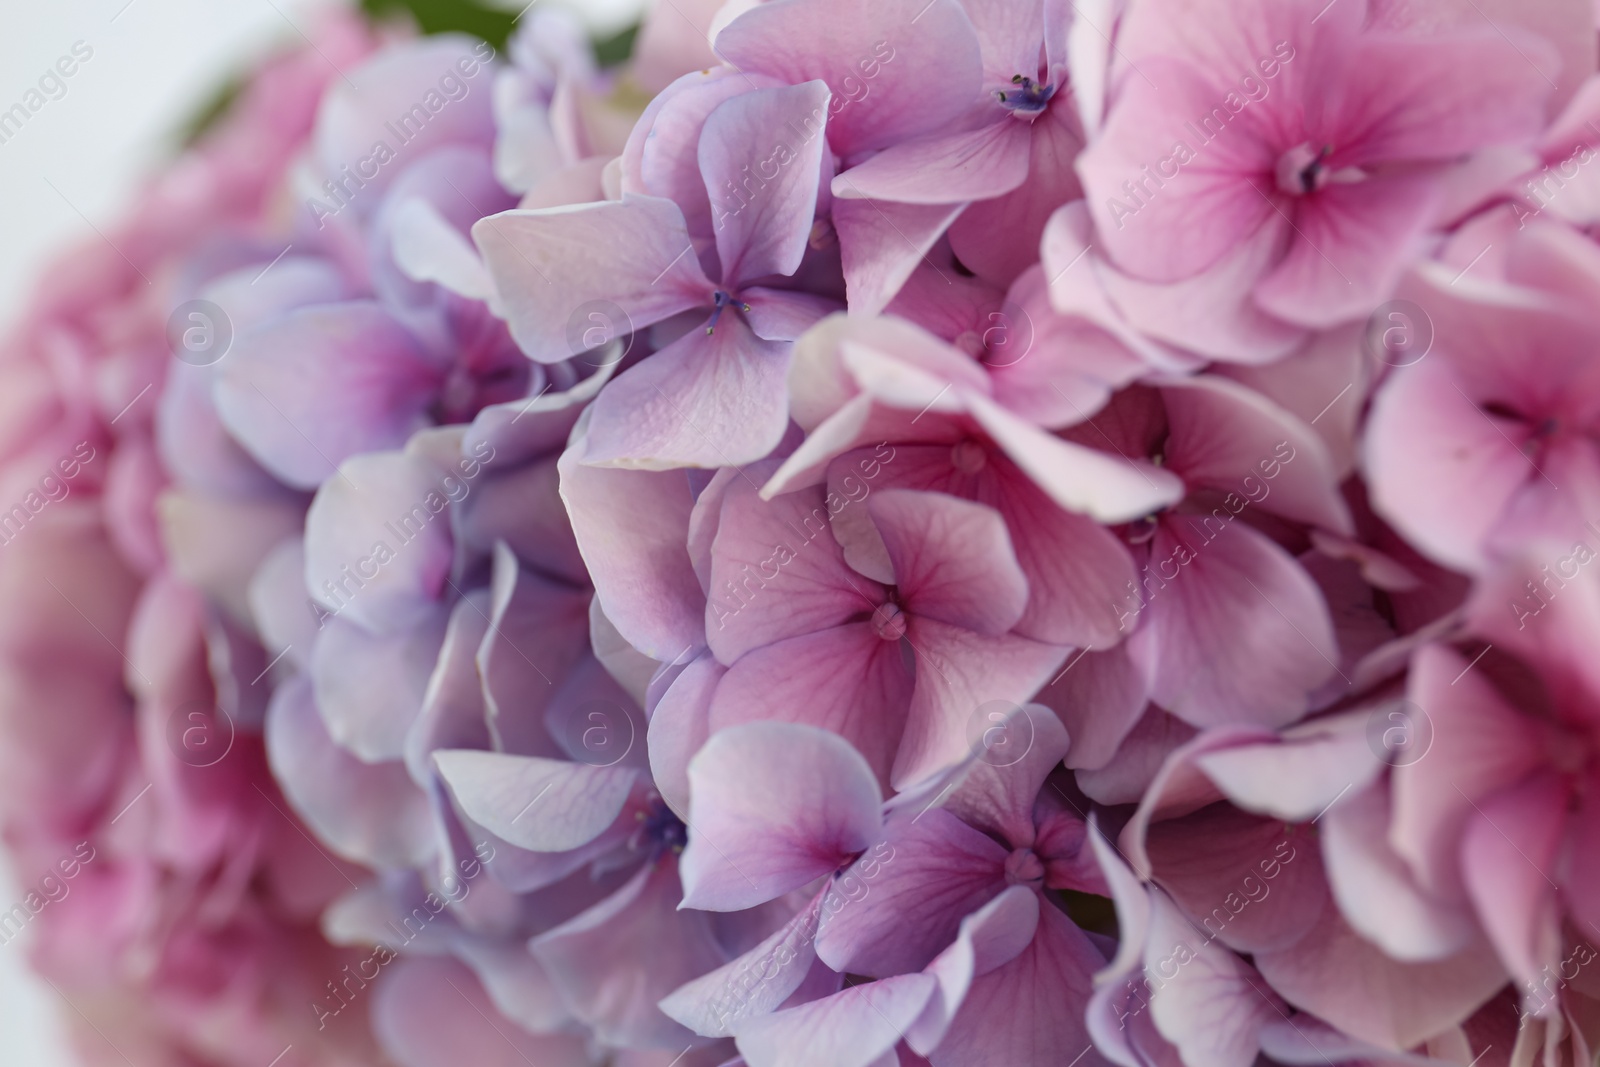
(210, 113)
(444, 16)
(494, 26)
(616, 49)
(1091, 912)
(430, 16)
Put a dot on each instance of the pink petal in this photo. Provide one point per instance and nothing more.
(1376, 891)
(216, 543)
(1582, 881)
(1311, 384)
(716, 400)
(897, 69)
(959, 674)
(1423, 108)
(1099, 697)
(997, 795)
(1107, 488)
(1230, 438)
(1068, 366)
(1352, 244)
(1076, 570)
(852, 1028)
(369, 687)
(1430, 452)
(990, 937)
(882, 243)
(631, 527)
(783, 315)
(1116, 1011)
(1208, 1002)
(318, 385)
(845, 679)
(538, 635)
(1030, 1010)
(542, 805)
(999, 238)
(952, 560)
(595, 961)
(369, 812)
(1349, 982)
(1179, 788)
(812, 589)
(1479, 744)
(452, 713)
(431, 1011)
(944, 169)
(662, 158)
(933, 865)
(279, 604)
(633, 254)
(765, 234)
(359, 110)
(1210, 313)
(1304, 1041)
(757, 983)
(1078, 573)
(1508, 862)
(679, 725)
(1138, 760)
(891, 359)
(1316, 764)
(1251, 883)
(1173, 228)
(759, 827)
(378, 544)
(520, 506)
(1010, 35)
(515, 982)
(1191, 641)
(671, 43)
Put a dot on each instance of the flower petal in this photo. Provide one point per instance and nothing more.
(759, 824)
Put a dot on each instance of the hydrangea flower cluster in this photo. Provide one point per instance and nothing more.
(949, 532)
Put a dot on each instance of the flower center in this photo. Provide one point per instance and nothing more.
(720, 300)
(659, 831)
(1024, 868)
(1139, 531)
(822, 235)
(969, 457)
(1303, 170)
(1027, 97)
(889, 622)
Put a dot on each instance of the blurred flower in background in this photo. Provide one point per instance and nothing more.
(811, 534)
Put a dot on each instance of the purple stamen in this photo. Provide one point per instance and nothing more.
(659, 832)
(1028, 98)
(720, 300)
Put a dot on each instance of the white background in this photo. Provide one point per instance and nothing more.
(155, 63)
